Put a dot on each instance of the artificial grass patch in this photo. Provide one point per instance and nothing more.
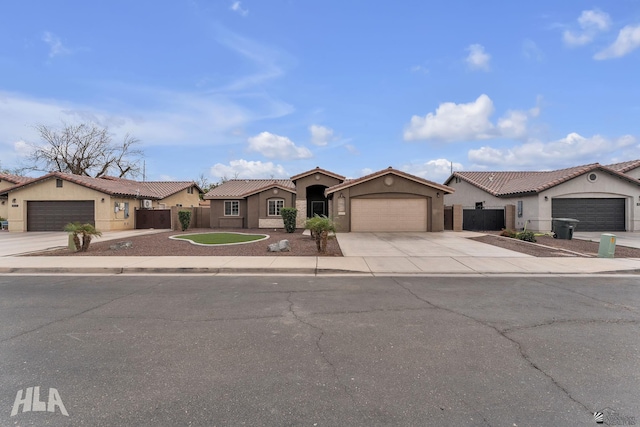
(221, 238)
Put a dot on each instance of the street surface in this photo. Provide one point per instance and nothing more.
(331, 351)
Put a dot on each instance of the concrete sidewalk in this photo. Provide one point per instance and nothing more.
(374, 266)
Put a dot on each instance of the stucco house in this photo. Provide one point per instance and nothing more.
(388, 200)
(51, 201)
(602, 198)
(7, 181)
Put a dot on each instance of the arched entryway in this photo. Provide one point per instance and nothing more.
(317, 203)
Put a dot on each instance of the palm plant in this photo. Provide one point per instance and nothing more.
(86, 231)
(320, 227)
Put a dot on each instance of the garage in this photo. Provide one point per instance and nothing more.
(54, 215)
(379, 215)
(594, 214)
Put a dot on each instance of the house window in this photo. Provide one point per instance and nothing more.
(274, 206)
(58, 183)
(190, 190)
(519, 208)
(479, 205)
(231, 208)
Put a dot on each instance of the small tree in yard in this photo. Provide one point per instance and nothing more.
(289, 219)
(185, 219)
(86, 231)
(320, 227)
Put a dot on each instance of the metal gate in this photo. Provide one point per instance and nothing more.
(153, 218)
(482, 219)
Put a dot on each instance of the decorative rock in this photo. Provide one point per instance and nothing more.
(281, 246)
(284, 246)
(121, 245)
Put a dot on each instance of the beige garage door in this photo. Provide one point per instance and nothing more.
(389, 215)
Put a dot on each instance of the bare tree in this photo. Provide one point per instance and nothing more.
(85, 149)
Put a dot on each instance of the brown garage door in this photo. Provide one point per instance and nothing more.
(53, 216)
(389, 215)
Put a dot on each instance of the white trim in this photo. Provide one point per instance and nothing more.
(231, 210)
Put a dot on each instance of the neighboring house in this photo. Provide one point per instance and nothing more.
(50, 202)
(602, 198)
(388, 200)
(7, 181)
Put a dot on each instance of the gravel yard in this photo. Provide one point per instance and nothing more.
(547, 246)
(159, 244)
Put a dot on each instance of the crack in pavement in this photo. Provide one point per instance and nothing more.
(572, 321)
(518, 345)
(334, 370)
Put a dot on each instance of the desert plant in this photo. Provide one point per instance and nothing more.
(527, 236)
(185, 219)
(320, 227)
(84, 231)
(75, 229)
(289, 219)
(88, 232)
(508, 233)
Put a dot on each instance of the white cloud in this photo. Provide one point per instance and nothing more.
(237, 7)
(55, 45)
(277, 147)
(591, 23)
(573, 149)
(320, 135)
(478, 59)
(628, 40)
(352, 149)
(248, 169)
(433, 170)
(419, 69)
(470, 121)
(531, 51)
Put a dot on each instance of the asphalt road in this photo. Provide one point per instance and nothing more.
(216, 351)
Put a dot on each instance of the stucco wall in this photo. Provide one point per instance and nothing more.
(47, 191)
(182, 198)
(383, 187)
(302, 184)
(219, 220)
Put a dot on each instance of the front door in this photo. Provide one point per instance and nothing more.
(317, 208)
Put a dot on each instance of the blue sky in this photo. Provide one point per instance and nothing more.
(259, 89)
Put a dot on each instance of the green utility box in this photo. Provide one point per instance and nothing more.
(607, 246)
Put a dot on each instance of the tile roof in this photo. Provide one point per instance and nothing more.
(390, 170)
(625, 166)
(156, 190)
(317, 170)
(240, 188)
(504, 184)
(14, 179)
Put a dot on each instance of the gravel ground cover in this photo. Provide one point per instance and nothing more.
(547, 246)
(159, 244)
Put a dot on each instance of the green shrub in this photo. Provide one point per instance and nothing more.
(527, 236)
(508, 233)
(289, 218)
(185, 219)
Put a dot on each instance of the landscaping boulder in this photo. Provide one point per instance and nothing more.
(281, 246)
(121, 245)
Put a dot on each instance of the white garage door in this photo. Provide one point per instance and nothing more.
(389, 215)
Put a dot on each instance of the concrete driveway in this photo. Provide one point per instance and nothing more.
(623, 238)
(35, 241)
(443, 244)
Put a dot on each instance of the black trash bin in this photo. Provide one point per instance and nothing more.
(563, 227)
